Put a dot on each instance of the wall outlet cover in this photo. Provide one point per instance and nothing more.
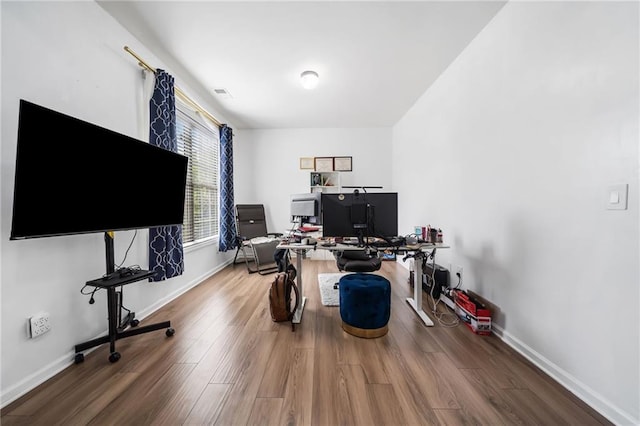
(39, 324)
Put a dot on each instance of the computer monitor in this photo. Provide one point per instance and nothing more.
(307, 208)
(360, 214)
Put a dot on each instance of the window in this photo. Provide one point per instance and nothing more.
(200, 144)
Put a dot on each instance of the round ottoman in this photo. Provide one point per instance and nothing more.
(365, 304)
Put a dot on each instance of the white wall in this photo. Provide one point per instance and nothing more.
(273, 156)
(69, 56)
(243, 171)
(520, 139)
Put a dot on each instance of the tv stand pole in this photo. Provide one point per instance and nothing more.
(117, 330)
(109, 252)
(362, 240)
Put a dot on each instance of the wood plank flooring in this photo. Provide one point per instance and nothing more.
(229, 364)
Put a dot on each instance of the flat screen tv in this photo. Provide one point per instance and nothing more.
(74, 177)
(360, 215)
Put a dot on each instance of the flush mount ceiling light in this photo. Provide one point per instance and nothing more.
(309, 79)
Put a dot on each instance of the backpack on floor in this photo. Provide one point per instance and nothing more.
(280, 304)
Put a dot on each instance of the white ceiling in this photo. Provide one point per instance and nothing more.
(375, 59)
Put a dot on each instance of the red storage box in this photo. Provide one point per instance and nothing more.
(472, 312)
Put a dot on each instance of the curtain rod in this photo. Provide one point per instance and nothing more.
(177, 90)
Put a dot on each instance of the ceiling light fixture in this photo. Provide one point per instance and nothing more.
(309, 79)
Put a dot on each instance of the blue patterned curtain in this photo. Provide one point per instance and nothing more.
(228, 239)
(166, 256)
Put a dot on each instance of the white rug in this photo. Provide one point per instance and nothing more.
(329, 295)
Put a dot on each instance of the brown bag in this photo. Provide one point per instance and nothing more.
(280, 303)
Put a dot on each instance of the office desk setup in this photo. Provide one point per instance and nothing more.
(300, 250)
(418, 252)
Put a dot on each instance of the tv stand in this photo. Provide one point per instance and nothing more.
(117, 326)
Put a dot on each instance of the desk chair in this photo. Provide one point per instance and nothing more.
(358, 261)
(256, 244)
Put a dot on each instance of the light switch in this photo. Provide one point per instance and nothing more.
(617, 197)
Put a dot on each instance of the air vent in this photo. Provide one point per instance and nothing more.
(222, 93)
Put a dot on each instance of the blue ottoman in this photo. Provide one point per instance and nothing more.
(365, 305)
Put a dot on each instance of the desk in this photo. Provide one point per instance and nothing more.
(419, 252)
(300, 250)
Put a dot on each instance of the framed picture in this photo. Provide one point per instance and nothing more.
(324, 164)
(306, 163)
(342, 164)
(316, 179)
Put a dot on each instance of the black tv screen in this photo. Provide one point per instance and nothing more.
(360, 215)
(74, 177)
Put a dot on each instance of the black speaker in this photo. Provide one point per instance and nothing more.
(441, 278)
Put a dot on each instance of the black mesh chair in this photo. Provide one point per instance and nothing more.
(254, 242)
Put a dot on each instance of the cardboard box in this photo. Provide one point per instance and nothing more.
(472, 312)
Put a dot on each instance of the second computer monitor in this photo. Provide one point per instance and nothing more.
(306, 208)
(360, 215)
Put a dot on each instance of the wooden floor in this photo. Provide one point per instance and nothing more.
(229, 364)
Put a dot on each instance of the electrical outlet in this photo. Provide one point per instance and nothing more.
(457, 275)
(39, 324)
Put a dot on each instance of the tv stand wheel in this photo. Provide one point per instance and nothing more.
(134, 322)
(170, 332)
(79, 358)
(114, 357)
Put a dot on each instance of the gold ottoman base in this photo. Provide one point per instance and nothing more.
(366, 333)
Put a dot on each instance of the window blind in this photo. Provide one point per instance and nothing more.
(200, 144)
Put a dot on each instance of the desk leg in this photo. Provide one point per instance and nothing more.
(297, 317)
(416, 301)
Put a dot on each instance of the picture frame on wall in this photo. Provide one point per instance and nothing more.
(342, 164)
(323, 164)
(307, 163)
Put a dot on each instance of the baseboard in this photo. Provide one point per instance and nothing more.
(590, 397)
(35, 379)
(55, 367)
